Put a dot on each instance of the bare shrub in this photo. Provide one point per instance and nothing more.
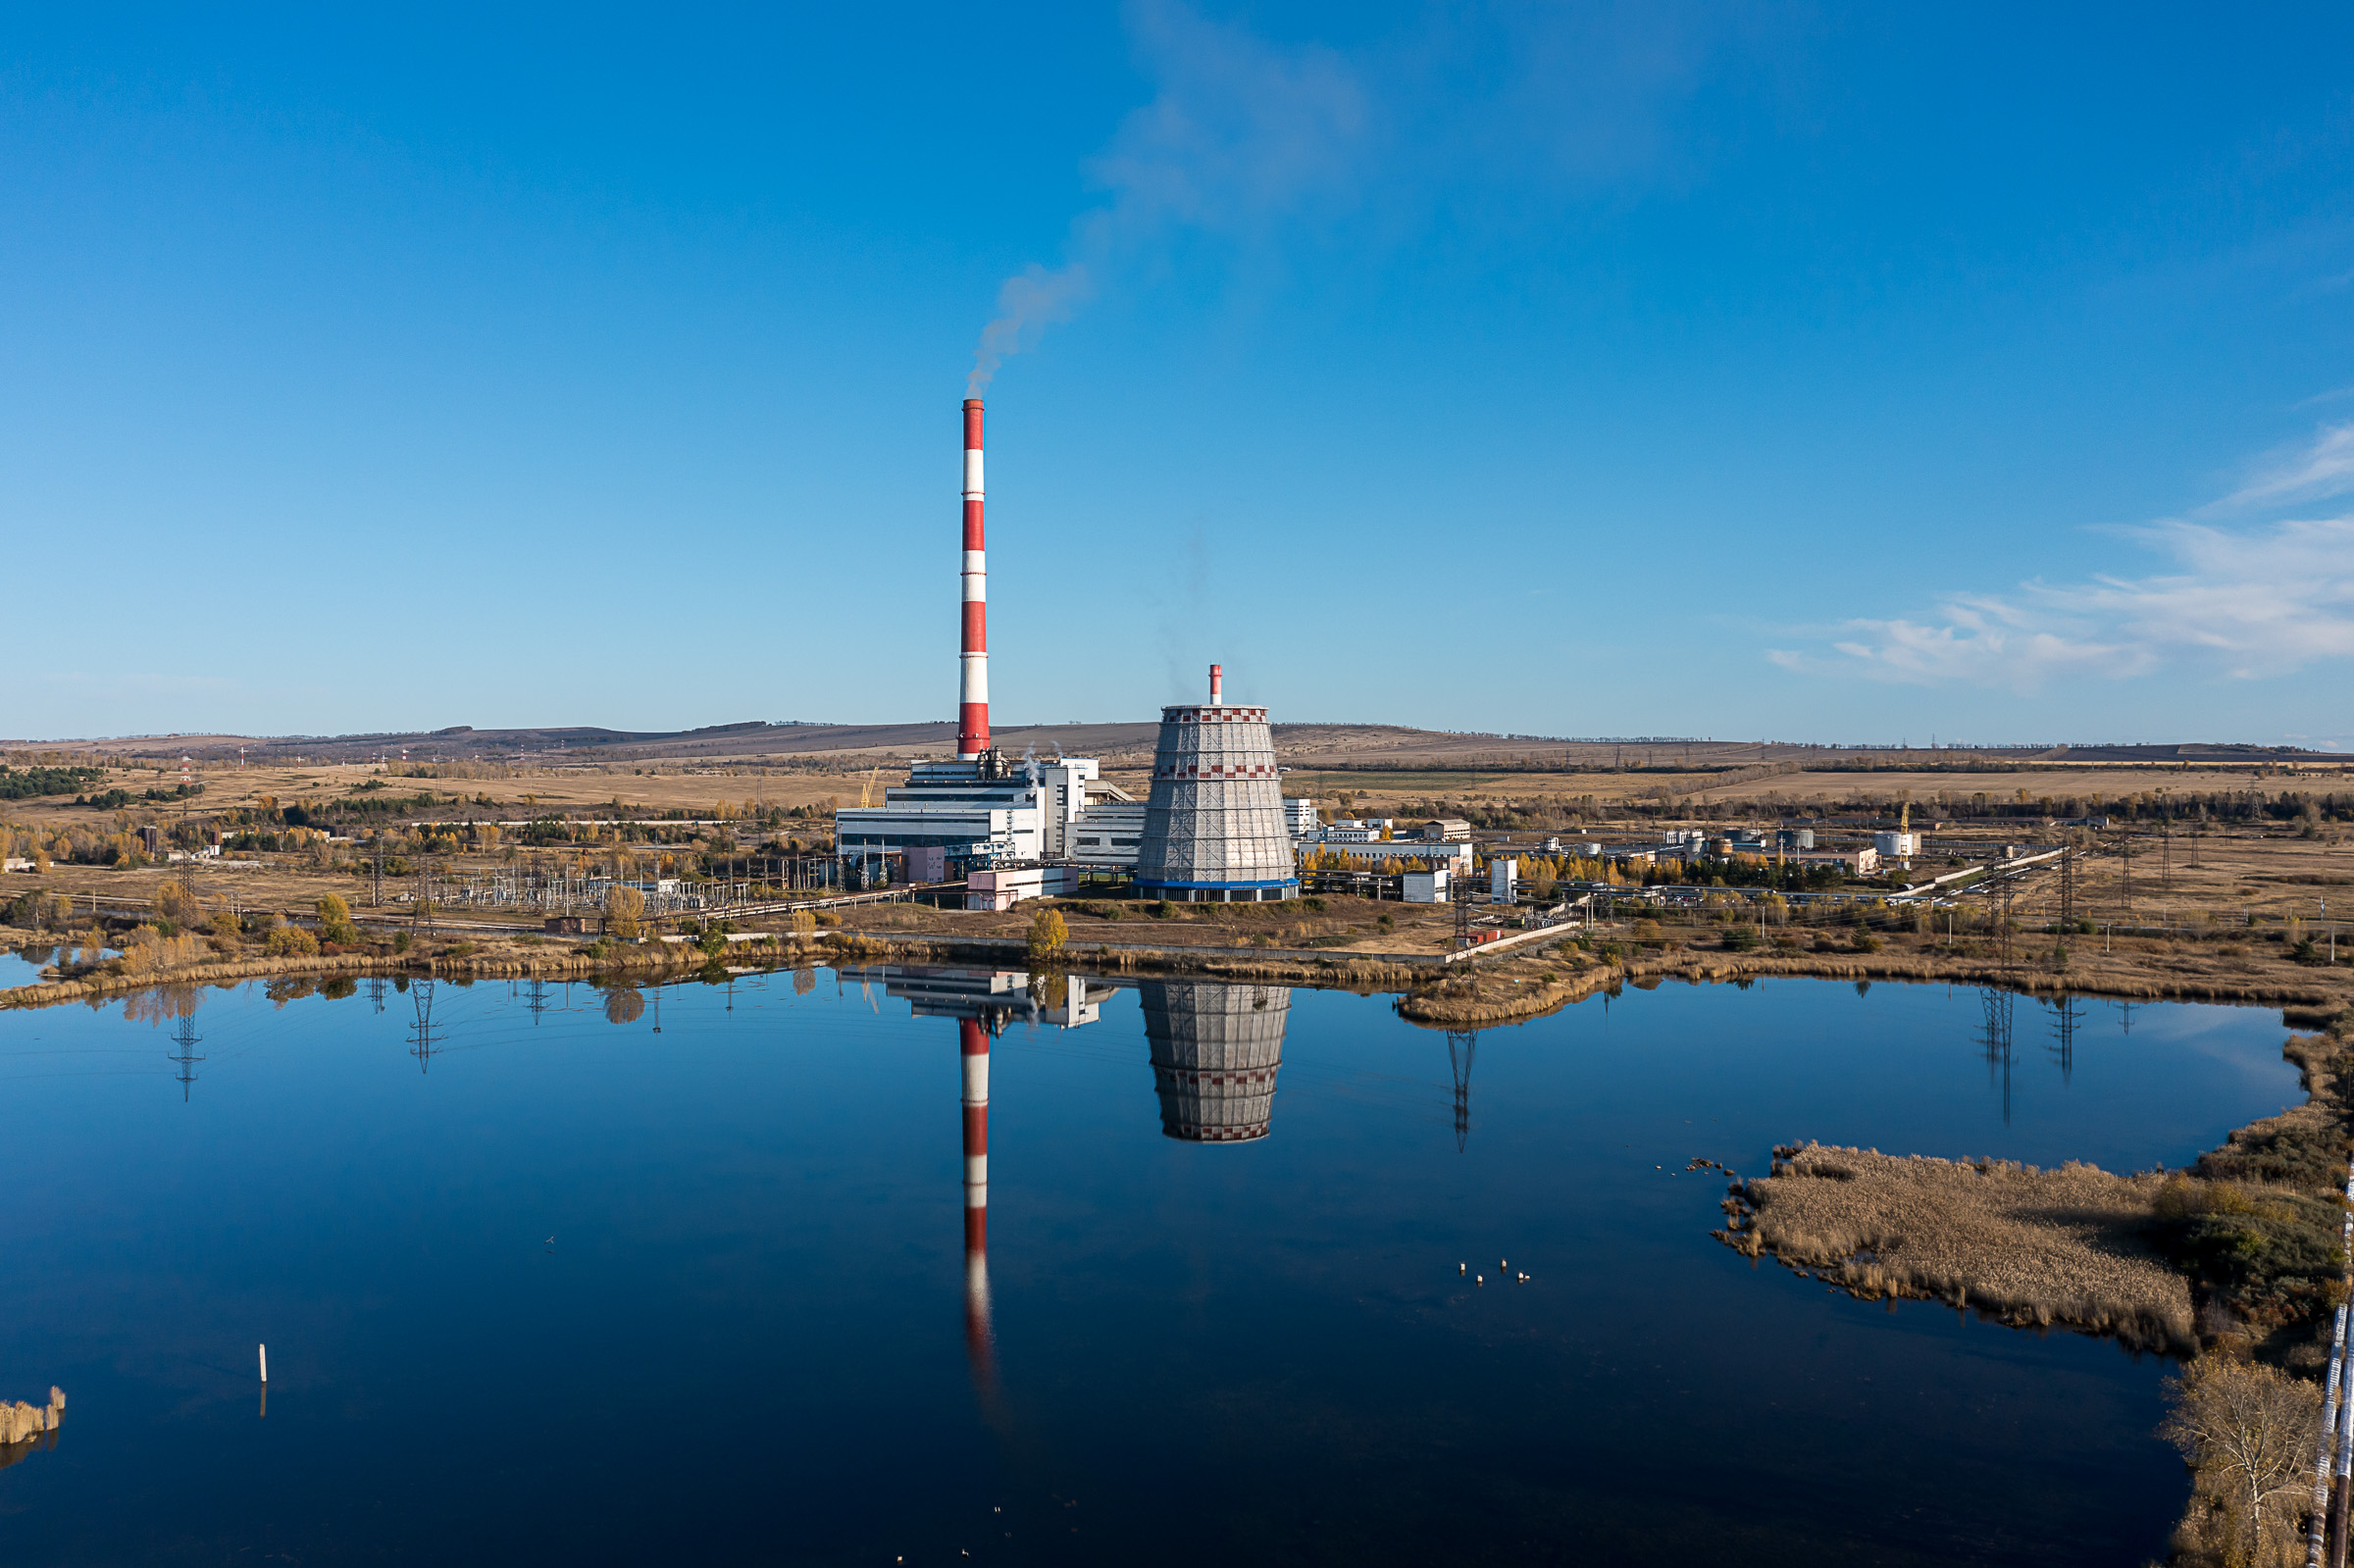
(2247, 1430)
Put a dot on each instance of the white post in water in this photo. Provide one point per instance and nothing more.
(265, 1349)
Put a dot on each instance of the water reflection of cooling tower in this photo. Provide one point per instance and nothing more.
(1215, 1050)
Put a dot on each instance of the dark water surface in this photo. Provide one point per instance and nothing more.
(756, 1337)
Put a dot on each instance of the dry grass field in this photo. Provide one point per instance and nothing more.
(2192, 877)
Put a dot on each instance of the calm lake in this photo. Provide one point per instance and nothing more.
(552, 1274)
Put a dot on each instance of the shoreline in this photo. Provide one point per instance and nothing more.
(1512, 987)
(2232, 1265)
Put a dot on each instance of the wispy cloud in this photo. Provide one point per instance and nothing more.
(2323, 467)
(2233, 603)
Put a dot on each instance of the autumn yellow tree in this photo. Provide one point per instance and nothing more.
(625, 908)
(334, 921)
(1049, 934)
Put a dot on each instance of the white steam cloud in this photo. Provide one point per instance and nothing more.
(1238, 133)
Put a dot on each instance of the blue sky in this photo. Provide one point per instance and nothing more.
(1843, 373)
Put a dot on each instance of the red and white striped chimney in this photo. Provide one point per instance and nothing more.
(1217, 685)
(972, 693)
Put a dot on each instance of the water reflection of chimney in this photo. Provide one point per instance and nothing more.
(1215, 1050)
(973, 1036)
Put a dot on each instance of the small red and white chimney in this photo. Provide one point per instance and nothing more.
(1217, 685)
(972, 681)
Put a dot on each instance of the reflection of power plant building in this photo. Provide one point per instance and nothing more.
(983, 1001)
(1214, 827)
(1215, 1050)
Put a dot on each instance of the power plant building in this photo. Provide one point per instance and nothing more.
(987, 810)
(993, 810)
(1214, 823)
(1216, 828)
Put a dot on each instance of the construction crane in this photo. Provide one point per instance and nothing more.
(866, 790)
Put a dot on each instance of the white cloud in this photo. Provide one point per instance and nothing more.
(2242, 605)
(2323, 467)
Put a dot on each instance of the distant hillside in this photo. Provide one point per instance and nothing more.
(1313, 746)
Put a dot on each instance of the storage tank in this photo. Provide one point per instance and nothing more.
(1215, 1050)
(1214, 830)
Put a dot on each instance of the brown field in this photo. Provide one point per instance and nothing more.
(2195, 880)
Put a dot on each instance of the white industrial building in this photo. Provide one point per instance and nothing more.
(993, 811)
(1375, 839)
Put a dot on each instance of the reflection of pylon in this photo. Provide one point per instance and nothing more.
(421, 1043)
(2064, 1019)
(538, 1001)
(1459, 1045)
(1997, 1041)
(375, 992)
(186, 1037)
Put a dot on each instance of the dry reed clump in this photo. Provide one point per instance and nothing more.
(2026, 1246)
(22, 1423)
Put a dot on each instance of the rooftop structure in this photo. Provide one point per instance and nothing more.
(1215, 828)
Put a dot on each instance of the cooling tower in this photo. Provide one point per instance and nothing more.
(1215, 1048)
(1214, 823)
